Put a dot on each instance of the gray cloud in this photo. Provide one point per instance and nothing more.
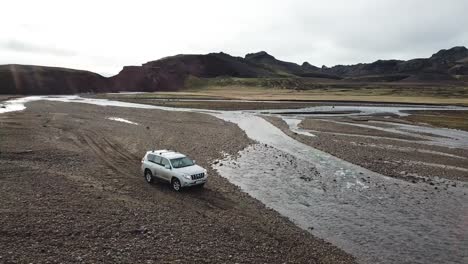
(320, 32)
(360, 31)
(20, 46)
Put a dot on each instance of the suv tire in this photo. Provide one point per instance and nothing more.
(148, 176)
(176, 186)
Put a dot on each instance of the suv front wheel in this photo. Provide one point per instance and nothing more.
(176, 184)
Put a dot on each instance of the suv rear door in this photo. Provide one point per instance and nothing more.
(165, 173)
(158, 170)
(152, 164)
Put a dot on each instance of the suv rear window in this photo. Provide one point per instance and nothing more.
(154, 158)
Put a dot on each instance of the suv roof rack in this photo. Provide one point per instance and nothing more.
(163, 151)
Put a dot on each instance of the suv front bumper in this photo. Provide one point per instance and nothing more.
(188, 183)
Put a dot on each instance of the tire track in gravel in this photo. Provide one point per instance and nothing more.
(108, 152)
(118, 159)
(117, 166)
(125, 169)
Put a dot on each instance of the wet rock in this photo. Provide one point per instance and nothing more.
(305, 178)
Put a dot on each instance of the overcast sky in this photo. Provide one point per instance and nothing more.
(103, 36)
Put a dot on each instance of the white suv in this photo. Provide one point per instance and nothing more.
(173, 167)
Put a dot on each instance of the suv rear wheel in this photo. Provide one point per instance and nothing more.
(148, 176)
(176, 184)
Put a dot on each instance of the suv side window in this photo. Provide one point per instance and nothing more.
(150, 157)
(165, 162)
(157, 160)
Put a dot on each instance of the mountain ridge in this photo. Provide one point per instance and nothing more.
(170, 73)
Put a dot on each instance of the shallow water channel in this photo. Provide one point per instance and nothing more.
(376, 218)
(373, 217)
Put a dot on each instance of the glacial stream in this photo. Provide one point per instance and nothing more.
(373, 217)
(376, 218)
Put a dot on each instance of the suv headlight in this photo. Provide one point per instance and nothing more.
(186, 176)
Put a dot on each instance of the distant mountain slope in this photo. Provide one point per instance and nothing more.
(286, 69)
(281, 68)
(29, 79)
(441, 66)
(171, 73)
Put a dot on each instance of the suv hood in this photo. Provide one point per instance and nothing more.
(190, 170)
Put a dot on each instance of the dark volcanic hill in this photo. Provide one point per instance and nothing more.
(171, 73)
(444, 65)
(269, 62)
(29, 79)
(286, 69)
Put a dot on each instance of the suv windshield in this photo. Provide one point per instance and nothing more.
(181, 162)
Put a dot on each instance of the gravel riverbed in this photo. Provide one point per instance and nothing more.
(72, 192)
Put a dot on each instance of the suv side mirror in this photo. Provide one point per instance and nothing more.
(167, 166)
